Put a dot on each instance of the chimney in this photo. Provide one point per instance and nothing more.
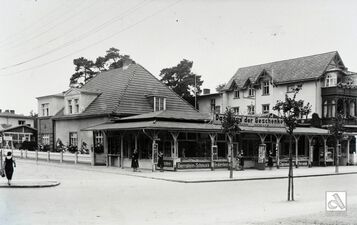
(12, 111)
(7, 111)
(0, 110)
(126, 63)
(206, 91)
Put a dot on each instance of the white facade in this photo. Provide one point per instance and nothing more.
(49, 105)
(16, 120)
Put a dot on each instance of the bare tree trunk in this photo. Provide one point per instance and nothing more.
(290, 177)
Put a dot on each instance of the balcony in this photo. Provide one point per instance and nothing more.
(345, 121)
(339, 91)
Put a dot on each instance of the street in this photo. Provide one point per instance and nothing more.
(97, 197)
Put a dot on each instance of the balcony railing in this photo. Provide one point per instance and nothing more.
(338, 91)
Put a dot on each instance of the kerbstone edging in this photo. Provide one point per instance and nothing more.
(30, 184)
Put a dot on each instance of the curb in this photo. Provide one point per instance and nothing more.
(30, 184)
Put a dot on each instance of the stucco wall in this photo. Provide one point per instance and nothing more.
(64, 127)
(15, 121)
(205, 102)
(55, 105)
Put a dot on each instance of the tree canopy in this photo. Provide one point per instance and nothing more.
(220, 87)
(87, 69)
(181, 80)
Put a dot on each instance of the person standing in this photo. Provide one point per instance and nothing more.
(241, 161)
(270, 161)
(9, 165)
(135, 160)
(160, 162)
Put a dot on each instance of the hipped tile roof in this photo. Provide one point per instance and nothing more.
(285, 71)
(125, 91)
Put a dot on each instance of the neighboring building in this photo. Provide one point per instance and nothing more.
(326, 84)
(16, 128)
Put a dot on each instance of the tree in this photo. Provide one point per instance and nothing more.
(220, 87)
(182, 80)
(290, 111)
(337, 130)
(84, 72)
(87, 69)
(230, 127)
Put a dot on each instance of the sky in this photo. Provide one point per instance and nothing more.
(40, 38)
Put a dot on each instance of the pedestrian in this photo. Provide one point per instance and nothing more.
(160, 162)
(135, 160)
(9, 164)
(241, 161)
(270, 160)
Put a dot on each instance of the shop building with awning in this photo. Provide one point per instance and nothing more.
(327, 85)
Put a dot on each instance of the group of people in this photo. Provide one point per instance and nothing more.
(135, 161)
(8, 167)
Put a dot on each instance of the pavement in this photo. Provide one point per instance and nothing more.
(32, 183)
(205, 176)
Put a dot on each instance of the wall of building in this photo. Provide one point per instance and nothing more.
(55, 105)
(64, 127)
(14, 121)
(205, 102)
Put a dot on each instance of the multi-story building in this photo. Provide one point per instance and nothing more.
(327, 86)
(16, 128)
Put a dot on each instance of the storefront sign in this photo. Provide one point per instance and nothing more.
(255, 121)
(193, 165)
(221, 164)
(8, 138)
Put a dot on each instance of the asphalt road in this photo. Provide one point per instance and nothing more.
(88, 197)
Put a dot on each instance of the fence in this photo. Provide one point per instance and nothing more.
(51, 156)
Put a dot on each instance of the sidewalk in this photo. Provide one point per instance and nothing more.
(201, 176)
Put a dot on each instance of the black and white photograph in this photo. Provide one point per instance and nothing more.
(179, 112)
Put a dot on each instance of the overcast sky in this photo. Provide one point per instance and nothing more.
(39, 39)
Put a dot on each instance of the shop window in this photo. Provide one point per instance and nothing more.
(251, 109)
(265, 87)
(45, 109)
(265, 108)
(73, 139)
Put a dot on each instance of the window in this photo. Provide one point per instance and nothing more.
(213, 104)
(46, 139)
(99, 138)
(159, 103)
(265, 108)
(45, 109)
(217, 109)
(265, 87)
(73, 139)
(331, 80)
(70, 110)
(21, 122)
(329, 108)
(236, 93)
(76, 105)
(236, 110)
(251, 109)
(251, 91)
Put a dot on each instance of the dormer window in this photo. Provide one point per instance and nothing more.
(159, 104)
(265, 87)
(331, 80)
(251, 91)
(70, 108)
(76, 106)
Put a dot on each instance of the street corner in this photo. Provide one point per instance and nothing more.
(29, 184)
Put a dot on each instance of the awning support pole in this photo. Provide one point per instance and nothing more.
(296, 137)
(278, 138)
(212, 137)
(310, 138)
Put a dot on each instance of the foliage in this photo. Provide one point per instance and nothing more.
(291, 110)
(315, 120)
(60, 147)
(337, 128)
(72, 149)
(84, 148)
(230, 123)
(220, 87)
(98, 148)
(29, 145)
(87, 69)
(181, 80)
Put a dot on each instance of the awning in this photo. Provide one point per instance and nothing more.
(200, 127)
(157, 125)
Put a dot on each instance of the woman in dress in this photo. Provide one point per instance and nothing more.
(9, 165)
(135, 160)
